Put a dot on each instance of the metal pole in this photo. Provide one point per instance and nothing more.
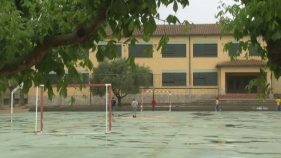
(141, 96)
(12, 98)
(153, 92)
(110, 108)
(90, 97)
(41, 103)
(12, 102)
(36, 108)
(106, 106)
(170, 106)
(12, 124)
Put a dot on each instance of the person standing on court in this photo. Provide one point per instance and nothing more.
(278, 100)
(134, 105)
(153, 103)
(113, 103)
(217, 108)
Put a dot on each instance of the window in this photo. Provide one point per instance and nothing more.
(174, 50)
(234, 49)
(138, 50)
(205, 50)
(205, 79)
(253, 51)
(118, 49)
(174, 79)
(85, 77)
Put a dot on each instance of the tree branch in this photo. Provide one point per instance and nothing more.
(26, 62)
(115, 94)
(124, 96)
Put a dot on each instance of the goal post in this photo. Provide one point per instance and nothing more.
(40, 98)
(168, 93)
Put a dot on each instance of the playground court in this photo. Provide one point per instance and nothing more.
(150, 135)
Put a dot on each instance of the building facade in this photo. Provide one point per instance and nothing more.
(192, 66)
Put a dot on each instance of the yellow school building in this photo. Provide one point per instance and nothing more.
(193, 66)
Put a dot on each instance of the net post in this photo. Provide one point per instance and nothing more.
(106, 110)
(141, 96)
(106, 106)
(170, 106)
(12, 102)
(41, 106)
(12, 99)
(12, 96)
(110, 108)
(36, 108)
(108, 93)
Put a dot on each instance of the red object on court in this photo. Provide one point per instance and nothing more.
(153, 102)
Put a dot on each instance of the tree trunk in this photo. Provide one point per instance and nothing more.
(21, 100)
(119, 98)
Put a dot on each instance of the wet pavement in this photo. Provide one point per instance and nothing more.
(150, 135)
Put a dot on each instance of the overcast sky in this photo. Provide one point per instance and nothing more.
(198, 11)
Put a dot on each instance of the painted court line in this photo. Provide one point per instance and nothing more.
(72, 133)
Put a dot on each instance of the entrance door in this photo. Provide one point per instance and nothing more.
(237, 84)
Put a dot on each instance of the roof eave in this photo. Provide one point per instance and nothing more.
(240, 66)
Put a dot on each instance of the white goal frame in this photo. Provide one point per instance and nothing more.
(108, 118)
(151, 91)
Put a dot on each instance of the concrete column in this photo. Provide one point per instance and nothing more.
(222, 82)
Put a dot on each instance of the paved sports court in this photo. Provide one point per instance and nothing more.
(150, 135)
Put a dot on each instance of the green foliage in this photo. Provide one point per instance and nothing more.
(163, 42)
(253, 83)
(262, 81)
(71, 101)
(131, 62)
(261, 21)
(38, 37)
(117, 72)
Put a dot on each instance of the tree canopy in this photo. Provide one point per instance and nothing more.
(254, 19)
(123, 82)
(38, 37)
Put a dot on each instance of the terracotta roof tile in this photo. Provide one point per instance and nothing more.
(205, 29)
(242, 63)
(196, 29)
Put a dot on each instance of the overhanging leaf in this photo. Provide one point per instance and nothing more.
(175, 6)
(276, 36)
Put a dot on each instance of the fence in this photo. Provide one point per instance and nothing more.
(162, 93)
(178, 95)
